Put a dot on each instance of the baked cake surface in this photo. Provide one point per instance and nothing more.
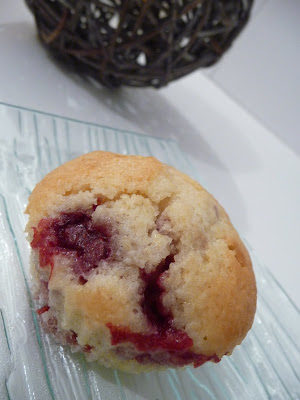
(137, 265)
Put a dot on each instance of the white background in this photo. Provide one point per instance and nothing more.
(238, 121)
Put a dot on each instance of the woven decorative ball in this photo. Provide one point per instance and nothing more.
(139, 42)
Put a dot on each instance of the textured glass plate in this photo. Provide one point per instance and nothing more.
(265, 366)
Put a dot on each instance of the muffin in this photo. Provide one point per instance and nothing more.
(137, 265)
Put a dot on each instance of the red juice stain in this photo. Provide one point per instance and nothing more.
(82, 280)
(71, 338)
(43, 309)
(87, 348)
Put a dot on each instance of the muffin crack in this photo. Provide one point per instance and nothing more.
(80, 189)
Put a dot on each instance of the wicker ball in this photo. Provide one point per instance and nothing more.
(139, 42)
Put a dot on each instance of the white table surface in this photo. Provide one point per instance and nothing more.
(253, 171)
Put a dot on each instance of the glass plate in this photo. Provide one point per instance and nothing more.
(32, 366)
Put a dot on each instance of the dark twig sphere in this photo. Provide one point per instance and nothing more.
(139, 42)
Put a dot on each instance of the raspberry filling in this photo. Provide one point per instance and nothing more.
(74, 235)
(168, 345)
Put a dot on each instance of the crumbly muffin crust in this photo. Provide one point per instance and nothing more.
(145, 213)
